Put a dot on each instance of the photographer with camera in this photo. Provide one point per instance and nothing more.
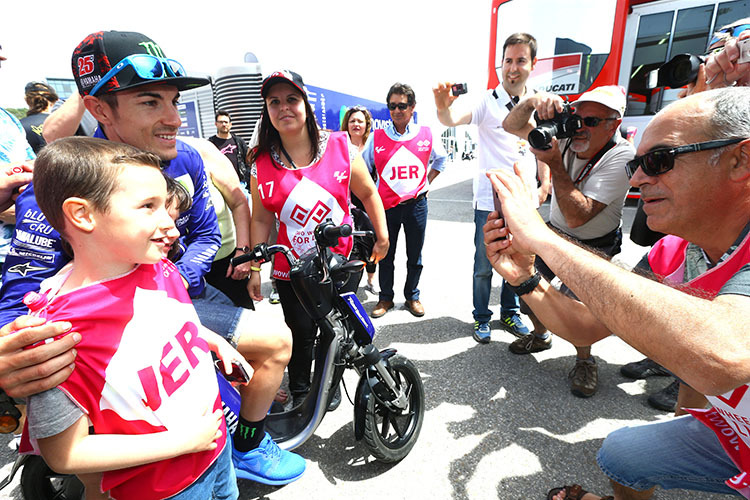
(586, 155)
(497, 149)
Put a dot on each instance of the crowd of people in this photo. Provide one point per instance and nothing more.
(154, 222)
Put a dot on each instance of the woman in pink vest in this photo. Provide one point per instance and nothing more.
(301, 176)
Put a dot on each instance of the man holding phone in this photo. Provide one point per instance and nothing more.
(497, 149)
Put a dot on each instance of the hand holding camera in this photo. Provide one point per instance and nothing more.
(445, 94)
(562, 125)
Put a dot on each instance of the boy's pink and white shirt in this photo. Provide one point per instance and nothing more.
(141, 368)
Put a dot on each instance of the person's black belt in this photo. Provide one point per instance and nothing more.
(414, 200)
(605, 241)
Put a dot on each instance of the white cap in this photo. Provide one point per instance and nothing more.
(612, 96)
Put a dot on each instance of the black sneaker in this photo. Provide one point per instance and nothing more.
(665, 399)
(643, 369)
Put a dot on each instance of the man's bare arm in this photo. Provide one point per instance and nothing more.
(65, 120)
(447, 115)
(675, 329)
(26, 372)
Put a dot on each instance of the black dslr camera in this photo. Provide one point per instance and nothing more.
(562, 126)
(678, 72)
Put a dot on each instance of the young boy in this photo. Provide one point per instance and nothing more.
(144, 379)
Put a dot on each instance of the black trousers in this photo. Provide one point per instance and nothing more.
(304, 331)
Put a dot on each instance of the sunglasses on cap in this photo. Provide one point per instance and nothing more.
(732, 31)
(358, 108)
(660, 161)
(594, 121)
(401, 105)
(145, 66)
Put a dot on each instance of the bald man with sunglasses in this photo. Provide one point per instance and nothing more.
(693, 170)
(589, 187)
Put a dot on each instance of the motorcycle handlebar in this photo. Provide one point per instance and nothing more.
(336, 232)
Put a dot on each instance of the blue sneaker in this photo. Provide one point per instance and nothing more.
(513, 324)
(268, 464)
(481, 332)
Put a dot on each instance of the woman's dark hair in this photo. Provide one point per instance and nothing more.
(269, 138)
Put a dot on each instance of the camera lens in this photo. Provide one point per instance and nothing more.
(679, 71)
(541, 137)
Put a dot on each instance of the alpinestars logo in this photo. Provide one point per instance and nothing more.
(24, 269)
(340, 175)
(423, 145)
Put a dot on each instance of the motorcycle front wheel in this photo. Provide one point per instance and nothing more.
(391, 434)
(39, 482)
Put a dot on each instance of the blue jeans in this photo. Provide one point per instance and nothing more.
(217, 483)
(413, 216)
(482, 283)
(680, 453)
(217, 313)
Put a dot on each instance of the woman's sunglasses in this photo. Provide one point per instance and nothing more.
(145, 66)
(660, 161)
(401, 105)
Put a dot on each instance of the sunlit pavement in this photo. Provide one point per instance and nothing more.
(496, 425)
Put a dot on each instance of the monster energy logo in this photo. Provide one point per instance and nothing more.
(152, 49)
(244, 430)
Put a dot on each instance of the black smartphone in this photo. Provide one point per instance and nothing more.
(459, 88)
(239, 375)
(498, 209)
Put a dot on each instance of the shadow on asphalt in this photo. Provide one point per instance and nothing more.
(511, 406)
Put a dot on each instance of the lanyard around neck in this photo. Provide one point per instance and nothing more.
(591, 163)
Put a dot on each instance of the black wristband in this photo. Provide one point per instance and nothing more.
(527, 286)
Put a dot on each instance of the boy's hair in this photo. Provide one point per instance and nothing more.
(178, 197)
(82, 167)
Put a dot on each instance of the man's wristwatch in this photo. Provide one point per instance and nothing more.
(527, 286)
(245, 249)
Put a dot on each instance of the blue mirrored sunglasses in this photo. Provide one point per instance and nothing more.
(733, 31)
(145, 66)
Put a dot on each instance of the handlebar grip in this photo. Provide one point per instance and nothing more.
(335, 232)
(242, 259)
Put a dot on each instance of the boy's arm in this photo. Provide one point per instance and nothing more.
(224, 351)
(75, 451)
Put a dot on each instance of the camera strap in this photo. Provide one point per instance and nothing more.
(513, 99)
(592, 162)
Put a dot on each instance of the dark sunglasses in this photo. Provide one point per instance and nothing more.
(732, 31)
(660, 161)
(593, 121)
(401, 105)
(358, 108)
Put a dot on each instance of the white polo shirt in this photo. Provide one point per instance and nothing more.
(498, 148)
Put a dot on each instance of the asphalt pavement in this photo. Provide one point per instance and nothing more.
(496, 425)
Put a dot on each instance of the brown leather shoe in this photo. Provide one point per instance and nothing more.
(381, 308)
(415, 307)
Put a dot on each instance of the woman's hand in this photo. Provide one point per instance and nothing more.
(253, 286)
